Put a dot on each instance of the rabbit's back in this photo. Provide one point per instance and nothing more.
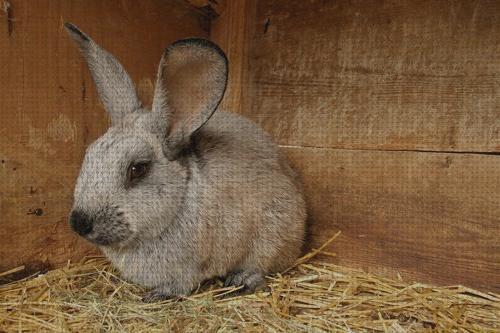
(234, 146)
(252, 200)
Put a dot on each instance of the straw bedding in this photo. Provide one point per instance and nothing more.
(311, 297)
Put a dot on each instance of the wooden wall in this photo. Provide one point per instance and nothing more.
(390, 110)
(50, 111)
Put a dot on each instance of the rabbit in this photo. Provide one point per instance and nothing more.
(181, 194)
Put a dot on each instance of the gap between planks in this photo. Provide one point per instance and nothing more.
(393, 150)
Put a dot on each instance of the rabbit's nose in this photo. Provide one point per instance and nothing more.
(80, 222)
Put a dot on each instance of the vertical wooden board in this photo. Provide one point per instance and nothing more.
(231, 30)
(433, 217)
(50, 111)
(410, 75)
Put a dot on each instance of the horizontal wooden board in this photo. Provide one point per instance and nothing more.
(433, 217)
(410, 75)
(50, 111)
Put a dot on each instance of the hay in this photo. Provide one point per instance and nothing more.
(313, 297)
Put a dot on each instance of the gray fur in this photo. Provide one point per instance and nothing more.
(226, 203)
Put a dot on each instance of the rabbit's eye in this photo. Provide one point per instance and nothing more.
(137, 171)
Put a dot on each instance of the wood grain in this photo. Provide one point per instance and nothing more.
(231, 31)
(433, 217)
(50, 111)
(210, 8)
(408, 75)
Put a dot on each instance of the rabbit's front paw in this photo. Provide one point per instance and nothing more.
(250, 281)
(155, 295)
(158, 295)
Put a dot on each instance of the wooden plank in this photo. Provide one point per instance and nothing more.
(50, 111)
(231, 31)
(433, 217)
(410, 75)
(210, 8)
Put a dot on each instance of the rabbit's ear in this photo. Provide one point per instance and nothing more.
(115, 88)
(191, 82)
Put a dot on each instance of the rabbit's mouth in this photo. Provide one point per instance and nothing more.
(108, 234)
(102, 240)
(107, 239)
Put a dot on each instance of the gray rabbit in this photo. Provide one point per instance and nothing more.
(179, 194)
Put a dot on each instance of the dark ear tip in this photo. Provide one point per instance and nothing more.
(74, 31)
(198, 42)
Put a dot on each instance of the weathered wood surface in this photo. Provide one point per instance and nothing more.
(50, 111)
(366, 75)
(231, 30)
(210, 8)
(410, 75)
(433, 217)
